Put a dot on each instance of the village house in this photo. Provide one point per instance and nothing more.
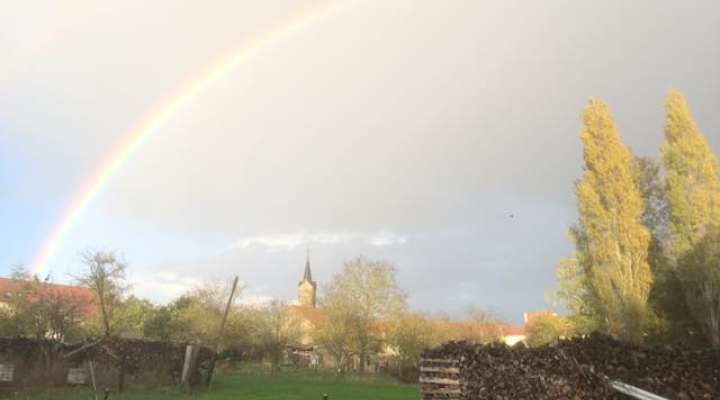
(310, 316)
(63, 303)
(81, 297)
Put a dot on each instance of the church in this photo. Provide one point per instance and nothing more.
(306, 308)
(311, 316)
(307, 288)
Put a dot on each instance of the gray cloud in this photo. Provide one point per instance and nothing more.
(402, 130)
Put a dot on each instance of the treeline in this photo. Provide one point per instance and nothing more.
(646, 266)
(41, 310)
(363, 319)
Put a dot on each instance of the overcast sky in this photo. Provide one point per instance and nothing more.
(404, 130)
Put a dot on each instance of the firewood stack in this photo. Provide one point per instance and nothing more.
(572, 369)
(668, 372)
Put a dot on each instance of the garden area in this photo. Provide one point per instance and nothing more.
(254, 383)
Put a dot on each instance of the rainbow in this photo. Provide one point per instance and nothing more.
(161, 114)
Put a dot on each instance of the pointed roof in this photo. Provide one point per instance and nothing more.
(308, 274)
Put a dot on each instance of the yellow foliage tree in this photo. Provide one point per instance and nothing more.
(692, 176)
(614, 239)
(408, 336)
(364, 293)
(546, 328)
(693, 188)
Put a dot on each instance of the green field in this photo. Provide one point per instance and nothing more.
(259, 385)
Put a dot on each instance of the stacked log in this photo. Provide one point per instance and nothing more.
(572, 369)
(500, 372)
(668, 372)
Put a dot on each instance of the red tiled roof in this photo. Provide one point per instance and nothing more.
(469, 330)
(311, 314)
(8, 287)
(456, 330)
(83, 297)
(509, 330)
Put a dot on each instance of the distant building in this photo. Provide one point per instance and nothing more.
(311, 317)
(306, 308)
(307, 288)
(83, 297)
(74, 304)
(513, 335)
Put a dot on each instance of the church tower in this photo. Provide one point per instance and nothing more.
(307, 287)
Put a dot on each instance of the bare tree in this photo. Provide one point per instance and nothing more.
(105, 275)
(362, 294)
(479, 315)
(408, 336)
(335, 334)
(277, 329)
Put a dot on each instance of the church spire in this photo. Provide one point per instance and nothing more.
(307, 287)
(308, 273)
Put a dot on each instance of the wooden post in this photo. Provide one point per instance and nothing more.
(227, 311)
(211, 370)
(191, 355)
(121, 377)
(186, 364)
(92, 378)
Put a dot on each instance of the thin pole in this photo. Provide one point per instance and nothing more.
(227, 311)
(211, 373)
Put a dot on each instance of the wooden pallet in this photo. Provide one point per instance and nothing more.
(440, 379)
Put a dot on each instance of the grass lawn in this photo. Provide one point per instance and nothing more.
(253, 384)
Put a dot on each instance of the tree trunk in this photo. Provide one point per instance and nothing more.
(274, 364)
(709, 292)
(362, 357)
(714, 332)
(100, 287)
(121, 376)
(44, 351)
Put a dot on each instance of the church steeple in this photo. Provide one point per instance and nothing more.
(307, 287)
(308, 273)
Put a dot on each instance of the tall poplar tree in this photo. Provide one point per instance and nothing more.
(692, 177)
(693, 192)
(615, 243)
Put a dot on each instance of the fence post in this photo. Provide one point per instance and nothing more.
(92, 377)
(121, 378)
(192, 352)
(211, 370)
(186, 364)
